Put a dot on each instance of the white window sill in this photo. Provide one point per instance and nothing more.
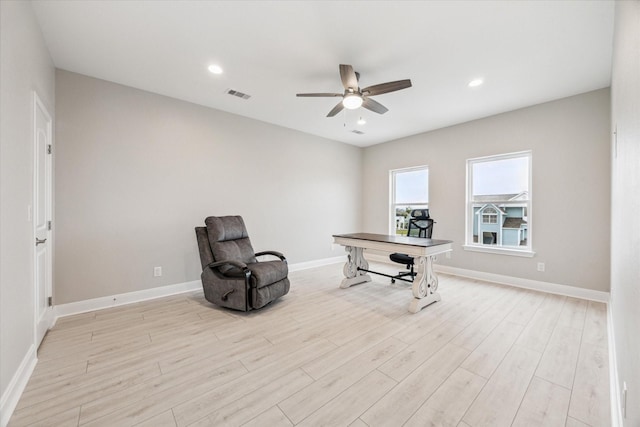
(499, 250)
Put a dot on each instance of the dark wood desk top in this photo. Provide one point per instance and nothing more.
(402, 240)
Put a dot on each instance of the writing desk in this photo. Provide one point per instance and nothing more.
(425, 284)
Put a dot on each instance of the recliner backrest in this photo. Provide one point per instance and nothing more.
(229, 240)
(206, 257)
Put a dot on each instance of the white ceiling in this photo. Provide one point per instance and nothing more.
(527, 52)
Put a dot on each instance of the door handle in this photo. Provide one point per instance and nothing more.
(40, 241)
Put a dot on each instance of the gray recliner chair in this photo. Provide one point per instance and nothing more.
(232, 276)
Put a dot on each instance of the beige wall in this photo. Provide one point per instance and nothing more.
(569, 139)
(25, 66)
(136, 172)
(625, 228)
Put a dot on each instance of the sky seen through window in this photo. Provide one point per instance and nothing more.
(412, 187)
(505, 176)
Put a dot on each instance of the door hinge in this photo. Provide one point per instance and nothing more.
(49, 149)
(49, 225)
(50, 301)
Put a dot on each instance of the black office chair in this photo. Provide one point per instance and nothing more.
(420, 225)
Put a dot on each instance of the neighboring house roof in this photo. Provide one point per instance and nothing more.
(501, 197)
(520, 196)
(480, 211)
(513, 222)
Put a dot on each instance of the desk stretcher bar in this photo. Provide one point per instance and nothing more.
(424, 251)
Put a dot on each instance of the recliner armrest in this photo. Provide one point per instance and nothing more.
(241, 265)
(274, 253)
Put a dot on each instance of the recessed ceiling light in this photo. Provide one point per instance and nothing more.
(215, 69)
(362, 121)
(475, 82)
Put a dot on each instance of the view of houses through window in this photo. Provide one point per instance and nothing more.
(498, 200)
(409, 191)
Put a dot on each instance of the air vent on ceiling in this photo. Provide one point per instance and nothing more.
(359, 132)
(237, 93)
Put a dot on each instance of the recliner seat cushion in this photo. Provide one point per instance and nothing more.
(267, 273)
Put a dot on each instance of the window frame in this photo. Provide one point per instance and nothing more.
(392, 195)
(470, 245)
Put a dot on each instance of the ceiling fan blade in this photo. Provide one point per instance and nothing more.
(374, 106)
(348, 76)
(386, 87)
(318, 94)
(339, 107)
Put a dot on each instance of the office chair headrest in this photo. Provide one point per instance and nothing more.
(420, 214)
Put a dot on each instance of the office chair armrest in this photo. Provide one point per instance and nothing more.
(274, 253)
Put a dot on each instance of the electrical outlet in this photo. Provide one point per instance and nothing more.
(541, 266)
(157, 271)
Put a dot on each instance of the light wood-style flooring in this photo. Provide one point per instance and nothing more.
(486, 355)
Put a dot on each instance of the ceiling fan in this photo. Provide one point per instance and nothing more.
(354, 97)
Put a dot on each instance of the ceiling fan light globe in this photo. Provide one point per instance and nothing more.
(351, 102)
(215, 69)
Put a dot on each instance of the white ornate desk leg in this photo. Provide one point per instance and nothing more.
(425, 285)
(352, 275)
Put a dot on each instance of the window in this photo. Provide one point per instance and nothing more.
(409, 190)
(489, 219)
(489, 216)
(498, 203)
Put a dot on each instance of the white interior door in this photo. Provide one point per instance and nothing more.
(43, 177)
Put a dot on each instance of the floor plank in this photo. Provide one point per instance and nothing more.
(252, 404)
(402, 401)
(487, 356)
(590, 397)
(558, 364)
(164, 419)
(314, 396)
(345, 408)
(590, 402)
(450, 401)
(544, 404)
(500, 399)
(273, 417)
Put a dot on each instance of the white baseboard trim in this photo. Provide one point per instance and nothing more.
(535, 285)
(124, 299)
(147, 294)
(78, 307)
(11, 396)
(614, 380)
(317, 263)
